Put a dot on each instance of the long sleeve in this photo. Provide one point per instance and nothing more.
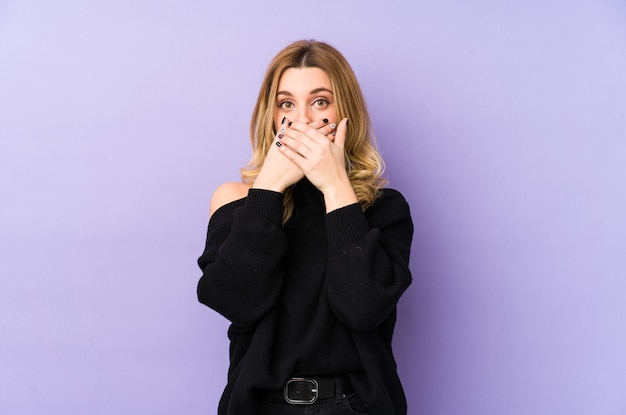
(315, 296)
(367, 269)
(242, 263)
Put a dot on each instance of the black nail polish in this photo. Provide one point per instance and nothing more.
(280, 136)
(283, 121)
(325, 120)
(289, 125)
(347, 122)
(279, 144)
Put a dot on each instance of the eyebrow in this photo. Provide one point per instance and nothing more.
(313, 92)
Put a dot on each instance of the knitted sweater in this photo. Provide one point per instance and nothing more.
(316, 297)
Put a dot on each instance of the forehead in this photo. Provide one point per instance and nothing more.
(303, 80)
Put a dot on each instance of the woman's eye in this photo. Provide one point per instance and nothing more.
(286, 105)
(320, 102)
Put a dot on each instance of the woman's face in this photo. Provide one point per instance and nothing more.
(304, 95)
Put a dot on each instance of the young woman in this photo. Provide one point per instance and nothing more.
(308, 255)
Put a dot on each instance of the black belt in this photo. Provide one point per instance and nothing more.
(306, 391)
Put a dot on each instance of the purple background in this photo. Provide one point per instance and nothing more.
(503, 123)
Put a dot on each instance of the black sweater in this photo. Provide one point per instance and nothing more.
(316, 297)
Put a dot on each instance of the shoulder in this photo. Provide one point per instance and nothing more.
(389, 206)
(227, 193)
(390, 196)
(390, 193)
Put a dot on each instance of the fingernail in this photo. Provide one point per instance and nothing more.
(280, 136)
(283, 121)
(347, 122)
(279, 144)
(333, 125)
(290, 122)
(325, 120)
(282, 130)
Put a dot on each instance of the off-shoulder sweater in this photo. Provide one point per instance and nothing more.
(315, 297)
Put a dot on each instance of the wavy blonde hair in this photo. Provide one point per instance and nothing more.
(364, 163)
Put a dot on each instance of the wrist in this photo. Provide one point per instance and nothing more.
(273, 188)
(273, 185)
(339, 196)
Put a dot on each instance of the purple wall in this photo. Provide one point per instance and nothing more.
(503, 124)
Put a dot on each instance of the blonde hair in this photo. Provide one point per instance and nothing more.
(364, 164)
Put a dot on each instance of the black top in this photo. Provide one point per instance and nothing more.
(316, 297)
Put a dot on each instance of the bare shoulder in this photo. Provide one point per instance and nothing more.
(228, 192)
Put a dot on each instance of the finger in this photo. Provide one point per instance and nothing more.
(296, 142)
(316, 130)
(282, 128)
(340, 136)
(330, 128)
(319, 124)
(290, 154)
(333, 131)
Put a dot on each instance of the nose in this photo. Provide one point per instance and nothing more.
(304, 114)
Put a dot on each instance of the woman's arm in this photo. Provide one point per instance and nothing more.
(242, 263)
(368, 264)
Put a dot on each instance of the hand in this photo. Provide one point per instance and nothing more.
(321, 159)
(278, 172)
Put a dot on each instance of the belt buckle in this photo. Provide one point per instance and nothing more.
(301, 391)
